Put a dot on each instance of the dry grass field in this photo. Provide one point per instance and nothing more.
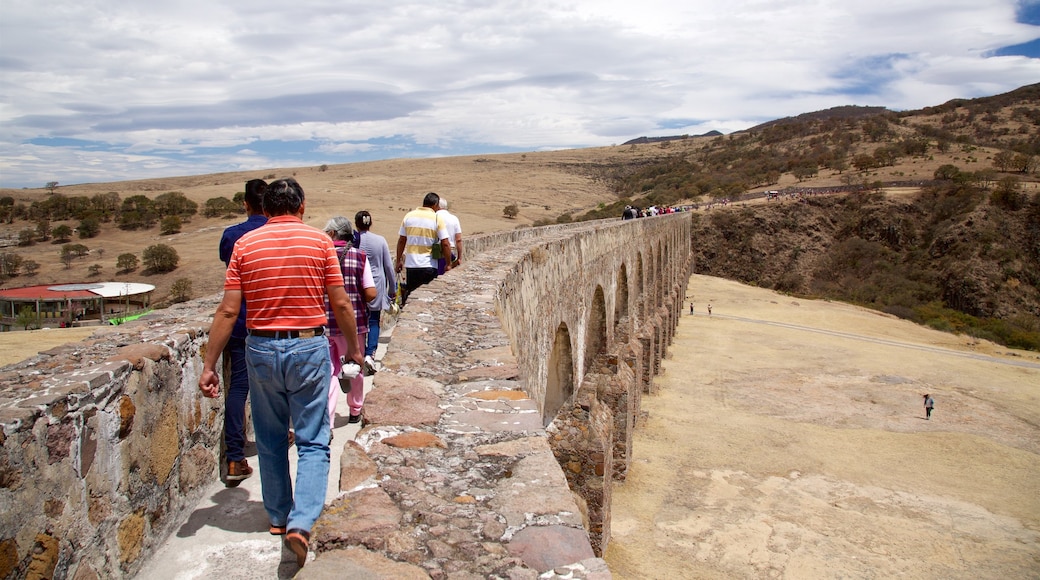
(788, 440)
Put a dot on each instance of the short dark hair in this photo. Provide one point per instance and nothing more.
(255, 194)
(363, 220)
(431, 200)
(283, 197)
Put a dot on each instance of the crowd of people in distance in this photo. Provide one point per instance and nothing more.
(298, 324)
(632, 212)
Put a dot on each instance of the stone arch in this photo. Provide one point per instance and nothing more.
(596, 328)
(641, 287)
(559, 381)
(621, 299)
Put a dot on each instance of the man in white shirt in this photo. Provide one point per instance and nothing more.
(451, 222)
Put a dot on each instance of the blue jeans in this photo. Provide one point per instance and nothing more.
(289, 378)
(235, 401)
(373, 332)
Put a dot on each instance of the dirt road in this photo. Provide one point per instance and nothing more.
(788, 440)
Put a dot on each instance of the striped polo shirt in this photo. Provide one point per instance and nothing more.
(283, 269)
(422, 227)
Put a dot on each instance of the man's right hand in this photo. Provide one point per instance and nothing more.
(209, 384)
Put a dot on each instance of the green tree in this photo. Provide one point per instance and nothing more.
(160, 258)
(31, 267)
(175, 203)
(511, 211)
(27, 318)
(137, 212)
(1023, 163)
(9, 265)
(27, 237)
(947, 172)
(1008, 194)
(94, 269)
(51, 186)
(43, 229)
(170, 224)
(126, 262)
(1004, 160)
(69, 252)
(106, 205)
(221, 207)
(89, 227)
(180, 291)
(61, 233)
(863, 162)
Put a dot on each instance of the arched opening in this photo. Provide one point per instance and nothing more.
(559, 382)
(596, 329)
(621, 298)
(641, 288)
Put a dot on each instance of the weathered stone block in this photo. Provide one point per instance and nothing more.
(359, 563)
(44, 558)
(362, 518)
(546, 547)
(399, 400)
(355, 466)
(130, 536)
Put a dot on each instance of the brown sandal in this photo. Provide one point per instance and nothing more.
(276, 530)
(298, 541)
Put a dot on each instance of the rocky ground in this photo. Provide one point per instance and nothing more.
(788, 440)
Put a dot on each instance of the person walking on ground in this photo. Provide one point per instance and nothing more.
(709, 310)
(929, 404)
(382, 266)
(284, 270)
(357, 281)
(451, 221)
(691, 308)
(421, 228)
(238, 468)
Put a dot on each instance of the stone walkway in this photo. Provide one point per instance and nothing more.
(226, 536)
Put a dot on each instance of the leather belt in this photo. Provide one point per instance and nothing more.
(282, 334)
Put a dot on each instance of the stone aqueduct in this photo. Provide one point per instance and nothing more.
(491, 442)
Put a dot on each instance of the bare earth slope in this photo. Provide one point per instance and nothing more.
(788, 440)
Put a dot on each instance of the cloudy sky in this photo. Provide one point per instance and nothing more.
(106, 90)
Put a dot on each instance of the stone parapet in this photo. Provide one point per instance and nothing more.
(106, 447)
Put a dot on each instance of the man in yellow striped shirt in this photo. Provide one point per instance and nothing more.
(420, 230)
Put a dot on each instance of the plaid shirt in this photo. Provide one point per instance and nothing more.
(352, 261)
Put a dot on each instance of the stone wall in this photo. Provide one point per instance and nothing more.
(107, 447)
(490, 440)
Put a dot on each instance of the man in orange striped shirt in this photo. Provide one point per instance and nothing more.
(284, 270)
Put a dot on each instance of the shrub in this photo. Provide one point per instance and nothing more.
(160, 258)
(181, 290)
(126, 262)
(170, 225)
(88, 227)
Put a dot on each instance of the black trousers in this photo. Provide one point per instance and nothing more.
(415, 277)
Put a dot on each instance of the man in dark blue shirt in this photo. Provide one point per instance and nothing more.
(238, 385)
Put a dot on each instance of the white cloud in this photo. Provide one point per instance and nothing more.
(145, 87)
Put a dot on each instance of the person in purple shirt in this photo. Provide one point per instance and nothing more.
(238, 385)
